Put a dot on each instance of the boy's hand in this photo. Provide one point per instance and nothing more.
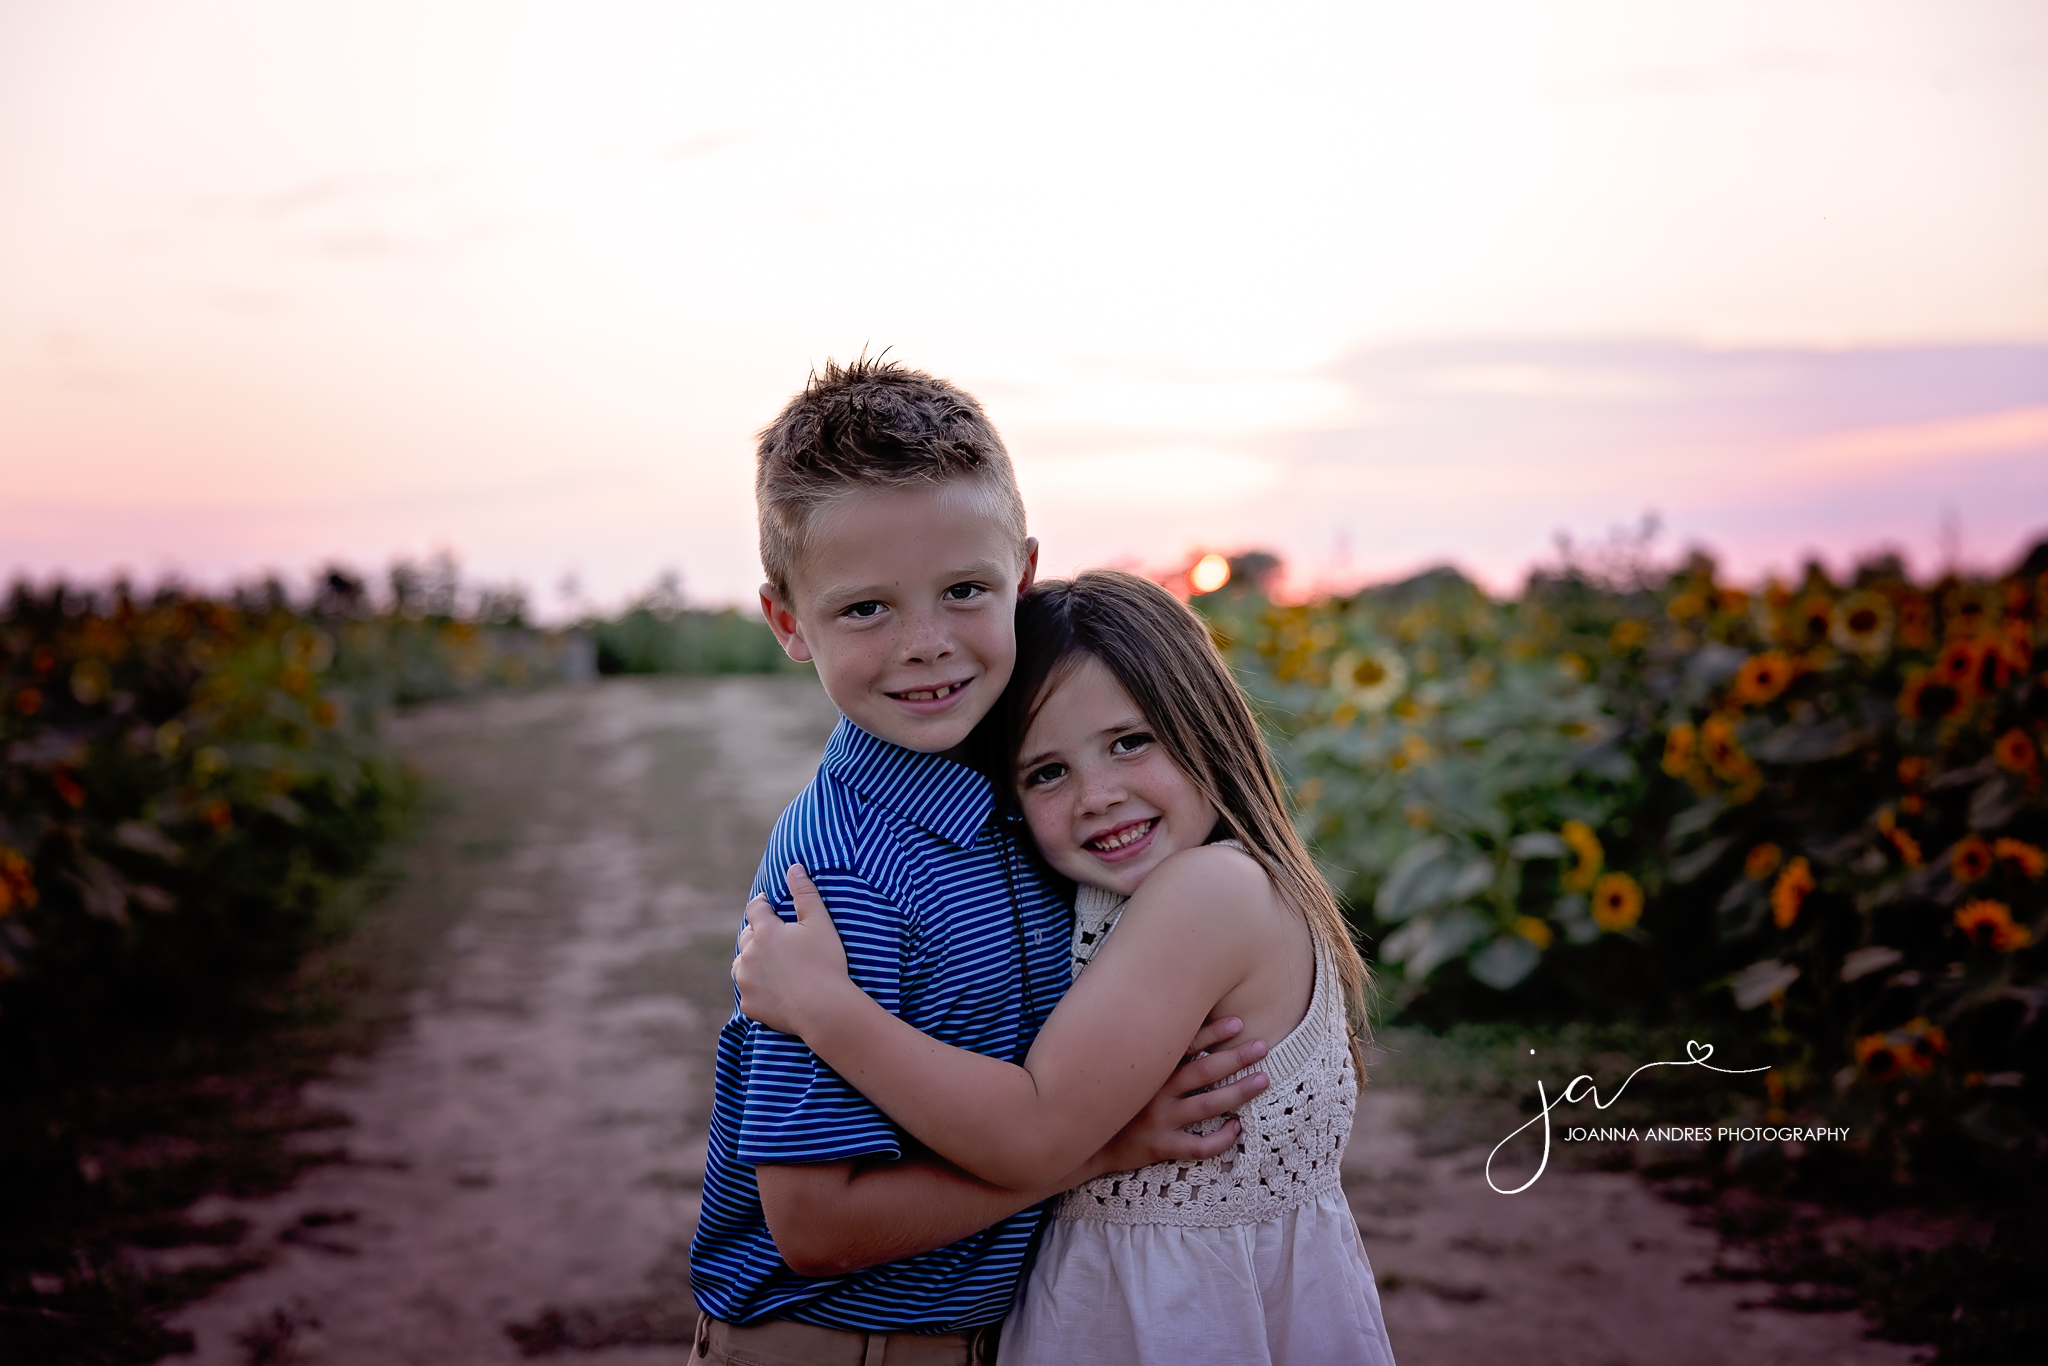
(1159, 1131)
(783, 967)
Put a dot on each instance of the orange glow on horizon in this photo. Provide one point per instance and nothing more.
(1210, 573)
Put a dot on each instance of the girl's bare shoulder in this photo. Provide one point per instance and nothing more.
(1218, 878)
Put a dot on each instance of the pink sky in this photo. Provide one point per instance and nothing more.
(1374, 285)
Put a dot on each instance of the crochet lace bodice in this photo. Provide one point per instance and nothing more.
(1291, 1143)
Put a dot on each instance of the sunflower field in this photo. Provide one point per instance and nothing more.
(185, 780)
(1810, 814)
(194, 789)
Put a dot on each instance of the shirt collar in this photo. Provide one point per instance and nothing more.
(950, 800)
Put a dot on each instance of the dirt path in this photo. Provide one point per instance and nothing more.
(535, 1137)
(1582, 1269)
(526, 1154)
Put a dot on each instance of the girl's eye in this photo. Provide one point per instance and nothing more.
(963, 592)
(1045, 773)
(861, 611)
(1129, 744)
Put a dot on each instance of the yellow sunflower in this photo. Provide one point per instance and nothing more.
(1369, 680)
(1812, 619)
(2015, 753)
(1988, 924)
(1970, 859)
(1585, 845)
(2030, 858)
(1617, 901)
(1790, 891)
(1909, 1050)
(1917, 1044)
(1958, 665)
(1874, 1055)
(1763, 677)
(1861, 625)
(1724, 753)
(1970, 610)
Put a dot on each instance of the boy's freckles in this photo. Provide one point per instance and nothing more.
(905, 600)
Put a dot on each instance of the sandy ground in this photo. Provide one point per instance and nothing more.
(1582, 1269)
(524, 1157)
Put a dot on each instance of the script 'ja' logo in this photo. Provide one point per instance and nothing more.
(1696, 1055)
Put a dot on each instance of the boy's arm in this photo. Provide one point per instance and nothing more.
(834, 1218)
(1112, 1039)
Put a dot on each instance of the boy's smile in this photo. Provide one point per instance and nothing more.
(940, 693)
(906, 601)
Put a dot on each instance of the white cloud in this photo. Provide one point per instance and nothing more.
(1870, 449)
(1543, 381)
(1144, 480)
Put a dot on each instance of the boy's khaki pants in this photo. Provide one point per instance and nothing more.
(779, 1342)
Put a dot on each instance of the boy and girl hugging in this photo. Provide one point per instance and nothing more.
(981, 1092)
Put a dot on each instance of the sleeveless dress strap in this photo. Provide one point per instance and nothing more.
(1095, 914)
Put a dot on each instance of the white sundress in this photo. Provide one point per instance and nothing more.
(1249, 1257)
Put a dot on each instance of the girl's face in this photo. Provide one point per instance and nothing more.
(1104, 800)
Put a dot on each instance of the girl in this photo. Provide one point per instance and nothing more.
(1143, 777)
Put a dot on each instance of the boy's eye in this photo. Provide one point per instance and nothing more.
(961, 592)
(1129, 744)
(1045, 773)
(861, 611)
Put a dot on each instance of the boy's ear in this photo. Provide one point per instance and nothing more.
(1030, 565)
(789, 632)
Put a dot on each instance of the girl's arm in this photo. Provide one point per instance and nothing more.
(834, 1218)
(1181, 945)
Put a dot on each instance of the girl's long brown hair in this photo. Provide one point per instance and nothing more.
(1161, 653)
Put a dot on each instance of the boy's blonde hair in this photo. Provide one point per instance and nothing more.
(871, 424)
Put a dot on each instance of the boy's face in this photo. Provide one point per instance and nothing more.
(906, 601)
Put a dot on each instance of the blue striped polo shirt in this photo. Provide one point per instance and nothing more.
(909, 855)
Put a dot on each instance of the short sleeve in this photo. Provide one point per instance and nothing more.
(796, 1108)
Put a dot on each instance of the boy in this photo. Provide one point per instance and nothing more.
(894, 543)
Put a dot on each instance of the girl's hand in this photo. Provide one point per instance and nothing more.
(782, 967)
(1158, 1133)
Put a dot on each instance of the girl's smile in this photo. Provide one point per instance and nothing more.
(1126, 840)
(1105, 801)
